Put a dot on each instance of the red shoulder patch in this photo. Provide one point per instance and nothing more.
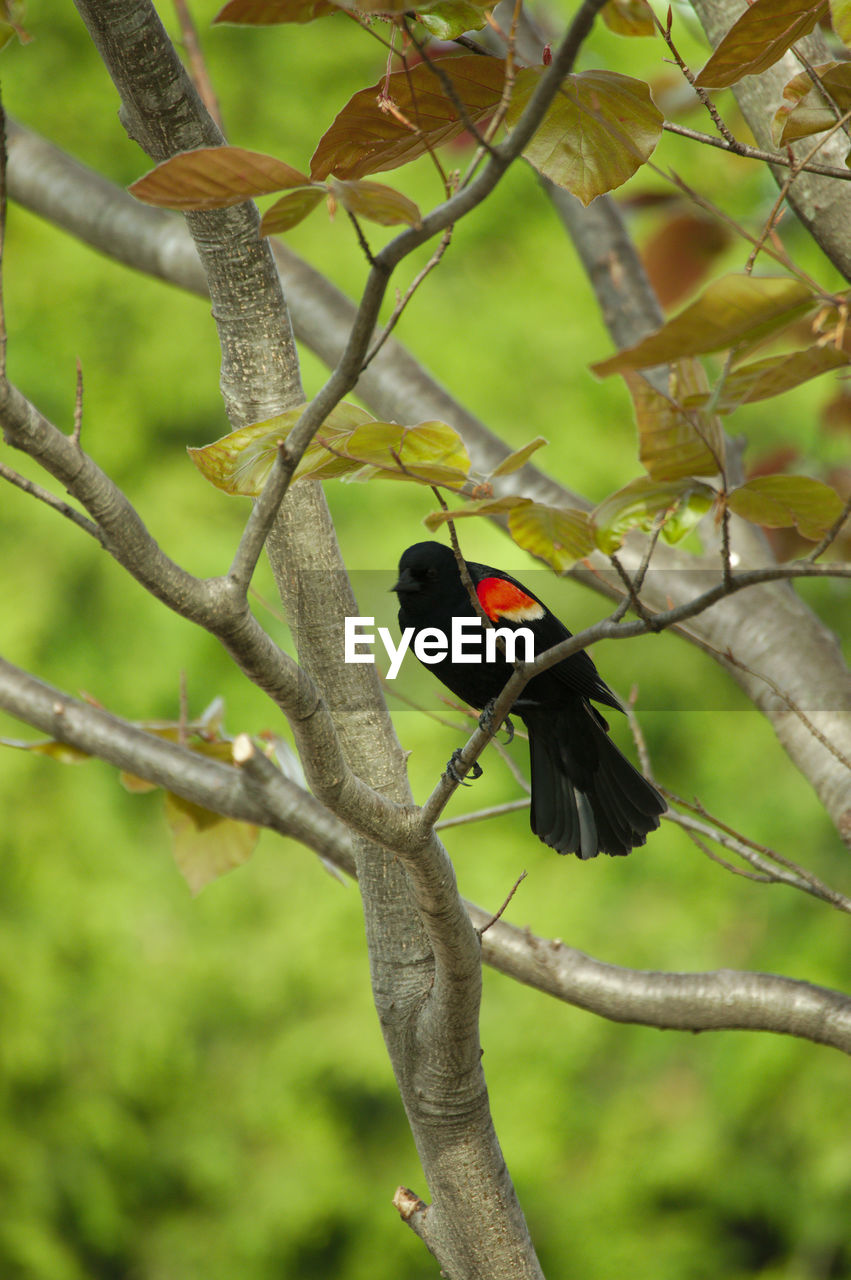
(501, 599)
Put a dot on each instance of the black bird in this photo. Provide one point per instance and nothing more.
(586, 796)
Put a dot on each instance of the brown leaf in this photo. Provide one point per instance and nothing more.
(674, 442)
(680, 253)
(733, 310)
(261, 13)
(405, 114)
(376, 202)
(214, 178)
(760, 36)
(805, 110)
(291, 209)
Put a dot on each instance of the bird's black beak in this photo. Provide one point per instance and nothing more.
(406, 582)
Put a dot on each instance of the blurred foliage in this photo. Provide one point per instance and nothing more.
(198, 1087)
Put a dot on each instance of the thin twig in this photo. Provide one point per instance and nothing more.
(183, 722)
(755, 153)
(493, 919)
(728, 657)
(197, 66)
(449, 89)
(260, 521)
(665, 31)
(50, 500)
(362, 240)
(638, 735)
(832, 533)
(634, 585)
(480, 815)
(403, 300)
(758, 856)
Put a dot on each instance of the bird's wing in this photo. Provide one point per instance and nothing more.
(508, 603)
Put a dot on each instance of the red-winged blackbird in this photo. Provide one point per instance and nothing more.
(586, 796)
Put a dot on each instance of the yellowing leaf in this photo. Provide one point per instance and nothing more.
(782, 501)
(404, 114)
(600, 129)
(375, 201)
(763, 33)
(774, 375)
(733, 310)
(629, 17)
(805, 110)
(449, 19)
(674, 441)
(559, 535)
(214, 178)
(486, 507)
(430, 452)
(519, 458)
(840, 16)
(206, 845)
(290, 209)
(266, 12)
(61, 752)
(240, 462)
(680, 503)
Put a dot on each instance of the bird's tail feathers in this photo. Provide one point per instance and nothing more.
(586, 796)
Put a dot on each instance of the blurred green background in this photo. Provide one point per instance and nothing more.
(198, 1087)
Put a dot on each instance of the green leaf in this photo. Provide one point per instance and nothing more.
(317, 462)
(206, 845)
(240, 462)
(431, 452)
(291, 209)
(673, 440)
(375, 201)
(840, 16)
(681, 503)
(760, 36)
(368, 137)
(782, 501)
(600, 129)
(61, 752)
(451, 18)
(773, 376)
(11, 19)
(214, 178)
(519, 458)
(485, 507)
(733, 310)
(559, 535)
(805, 110)
(261, 13)
(629, 17)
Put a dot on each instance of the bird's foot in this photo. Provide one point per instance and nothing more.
(486, 721)
(455, 773)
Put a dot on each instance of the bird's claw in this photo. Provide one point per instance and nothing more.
(455, 773)
(486, 721)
